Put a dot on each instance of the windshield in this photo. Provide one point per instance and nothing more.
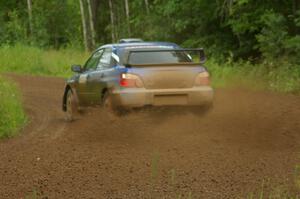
(137, 58)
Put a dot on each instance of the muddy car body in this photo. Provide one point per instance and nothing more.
(138, 74)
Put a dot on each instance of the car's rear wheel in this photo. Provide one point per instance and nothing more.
(71, 106)
(109, 107)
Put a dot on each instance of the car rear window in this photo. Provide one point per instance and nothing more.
(158, 57)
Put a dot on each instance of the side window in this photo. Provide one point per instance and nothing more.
(105, 60)
(93, 61)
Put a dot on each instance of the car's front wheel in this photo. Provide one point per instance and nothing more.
(71, 106)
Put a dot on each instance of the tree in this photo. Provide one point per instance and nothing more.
(29, 5)
(113, 37)
(84, 28)
(91, 20)
(147, 6)
(127, 17)
(245, 29)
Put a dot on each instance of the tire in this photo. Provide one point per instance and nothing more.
(109, 108)
(71, 106)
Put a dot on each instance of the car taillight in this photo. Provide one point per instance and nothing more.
(202, 79)
(131, 81)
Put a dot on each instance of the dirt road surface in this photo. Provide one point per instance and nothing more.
(250, 140)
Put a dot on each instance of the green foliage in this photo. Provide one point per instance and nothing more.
(267, 75)
(273, 35)
(245, 37)
(247, 29)
(33, 60)
(260, 76)
(15, 28)
(56, 23)
(11, 111)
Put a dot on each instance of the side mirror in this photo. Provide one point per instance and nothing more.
(76, 68)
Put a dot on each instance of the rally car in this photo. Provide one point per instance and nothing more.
(134, 74)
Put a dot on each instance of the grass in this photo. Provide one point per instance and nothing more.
(282, 77)
(11, 110)
(32, 195)
(267, 76)
(32, 60)
(29, 60)
(272, 193)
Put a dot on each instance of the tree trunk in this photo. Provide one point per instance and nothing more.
(112, 21)
(128, 17)
(96, 11)
(296, 4)
(92, 27)
(147, 6)
(29, 4)
(84, 30)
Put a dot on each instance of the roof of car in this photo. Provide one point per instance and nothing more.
(140, 44)
(130, 40)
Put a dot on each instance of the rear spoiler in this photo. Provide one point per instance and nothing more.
(202, 57)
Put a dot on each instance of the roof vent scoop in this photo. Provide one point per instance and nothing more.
(130, 40)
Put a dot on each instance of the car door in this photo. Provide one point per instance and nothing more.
(97, 80)
(84, 90)
(110, 75)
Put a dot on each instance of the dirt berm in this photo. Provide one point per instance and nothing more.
(248, 142)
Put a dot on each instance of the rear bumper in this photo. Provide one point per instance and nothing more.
(139, 97)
